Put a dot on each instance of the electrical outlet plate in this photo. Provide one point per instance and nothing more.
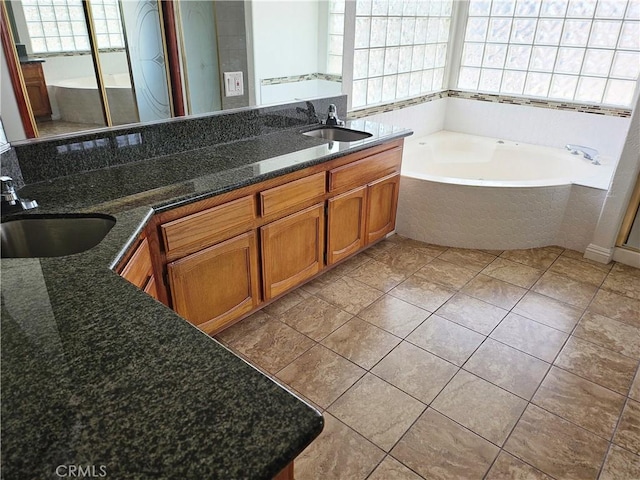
(233, 84)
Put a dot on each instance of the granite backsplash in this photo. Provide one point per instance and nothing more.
(44, 159)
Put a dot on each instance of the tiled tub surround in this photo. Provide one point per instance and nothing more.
(435, 362)
(94, 371)
(477, 192)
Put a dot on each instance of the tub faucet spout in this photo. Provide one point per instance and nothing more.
(586, 152)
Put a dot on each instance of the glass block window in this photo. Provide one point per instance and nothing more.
(59, 25)
(400, 49)
(575, 50)
(336, 36)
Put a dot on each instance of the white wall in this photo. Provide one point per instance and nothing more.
(8, 104)
(286, 92)
(602, 247)
(285, 39)
(539, 126)
(423, 119)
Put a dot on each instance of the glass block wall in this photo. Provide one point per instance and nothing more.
(336, 37)
(400, 49)
(59, 26)
(574, 50)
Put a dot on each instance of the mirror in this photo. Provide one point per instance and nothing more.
(273, 58)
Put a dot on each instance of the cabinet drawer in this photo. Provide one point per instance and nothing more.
(366, 170)
(138, 269)
(202, 229)
(302, 192)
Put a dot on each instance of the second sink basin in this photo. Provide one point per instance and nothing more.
(52, 236)
(337, 134)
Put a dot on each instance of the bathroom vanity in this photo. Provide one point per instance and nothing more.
(97, 373)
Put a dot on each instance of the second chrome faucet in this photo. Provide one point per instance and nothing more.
(586, 152)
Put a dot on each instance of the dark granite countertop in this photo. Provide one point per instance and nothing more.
(95, 373)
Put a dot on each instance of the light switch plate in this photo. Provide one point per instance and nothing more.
(233, 85)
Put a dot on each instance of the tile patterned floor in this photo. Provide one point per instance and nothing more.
(447, 363)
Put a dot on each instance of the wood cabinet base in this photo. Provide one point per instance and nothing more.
(286, 473)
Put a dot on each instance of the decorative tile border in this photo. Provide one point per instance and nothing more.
(543, 103)
(485, 97)
(301, 78)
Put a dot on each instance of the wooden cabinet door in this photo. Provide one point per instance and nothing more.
(382, 203)
(214, 286)
(346, 224)
(36, 89)
(292, 250)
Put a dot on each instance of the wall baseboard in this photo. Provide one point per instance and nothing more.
(626, 256)
(598, 253)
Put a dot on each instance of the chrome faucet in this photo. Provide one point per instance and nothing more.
(332, 116)
(11, 202)
(586, 152)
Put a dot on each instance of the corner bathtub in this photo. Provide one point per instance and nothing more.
(79, 101)
(468, 191)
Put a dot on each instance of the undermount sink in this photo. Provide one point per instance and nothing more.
(52, 236)
(337, 134)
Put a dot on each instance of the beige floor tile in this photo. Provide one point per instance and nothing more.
(624, 282)
(513, 272)
(548, 311)
(447, 274)
(349, 294)
(315, 318)
(608, 333)
(244, 328)
(580, 401)
(496, 292)
(394, 315)
(565, 289)
(321, 375)
(446, 339)
(380, 247)
(600, 365)
(438, 448)
(415, 371)
(541, 258)
(483, 408)
(508, 467)
(578, 270)
(391, 469)
(618, 307)
(574, 254)
(628, 432)
(508, 368)
(428, 248)
(635, 388)
(286, 302)
(472, 313)
(530, 336)
(272, 346)
(422, 293)
(628, 269)
(555, 446)
(349, 265)
(337, 454)
(361, 342)
(404, 259)
(378, 275)
(471, 259)
(377, 422)
(620, 464)
(318, 283)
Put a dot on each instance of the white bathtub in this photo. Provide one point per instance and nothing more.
(467, 191)
(78, 99)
